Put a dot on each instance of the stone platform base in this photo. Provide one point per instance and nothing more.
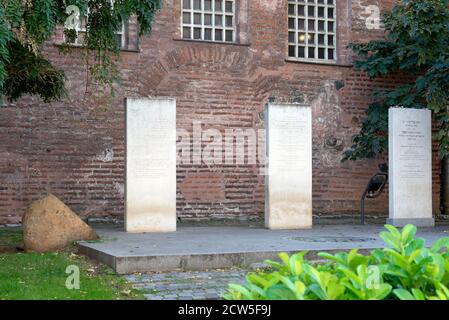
(202, 248)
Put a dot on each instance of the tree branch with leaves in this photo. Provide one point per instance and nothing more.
(417, 45)
(25, 25)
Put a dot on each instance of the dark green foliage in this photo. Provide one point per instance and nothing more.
(416, 45)
(4, 53)
(26, 25)
(31, 73)
(40, 19)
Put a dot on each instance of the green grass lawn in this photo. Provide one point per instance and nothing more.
(43, 276)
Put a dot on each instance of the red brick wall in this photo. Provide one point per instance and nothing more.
(75, 149)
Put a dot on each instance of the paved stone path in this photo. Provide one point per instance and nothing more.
(204, 285)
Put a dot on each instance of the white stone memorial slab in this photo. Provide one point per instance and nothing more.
(288, 194)
(410, 167)
(150, 165)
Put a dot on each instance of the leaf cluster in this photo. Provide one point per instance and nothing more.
(25, 26)
(406, 269)
(415, 46)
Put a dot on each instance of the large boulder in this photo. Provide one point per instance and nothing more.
(49, 225)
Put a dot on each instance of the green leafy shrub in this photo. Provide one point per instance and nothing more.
(405, 270)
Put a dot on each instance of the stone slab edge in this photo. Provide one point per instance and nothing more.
(194, 262)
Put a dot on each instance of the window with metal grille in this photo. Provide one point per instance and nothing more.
(208, 20)
(312, 30)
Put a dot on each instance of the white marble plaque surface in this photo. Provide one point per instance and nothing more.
(150, 165)
(410, 167)
(288, 187)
